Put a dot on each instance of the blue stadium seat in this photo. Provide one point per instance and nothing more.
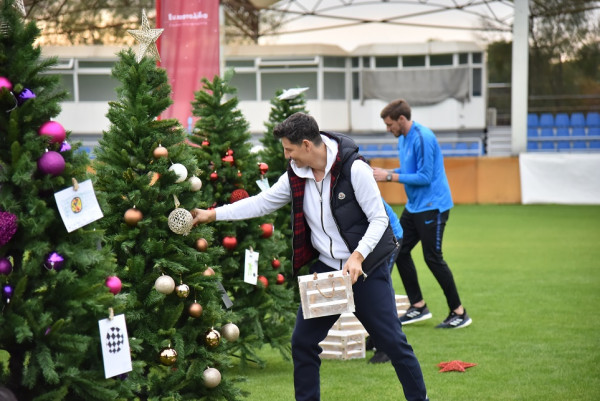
(461, 149)
(532, 120)
(562, 120)
(548, 145)
(447, 148)
(595, 144)
(547, 124)
(577, 120)
(579, 145)
(533, 146)
(475, 148)
(593, 119)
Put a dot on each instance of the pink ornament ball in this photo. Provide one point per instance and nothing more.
(5, 266)
(114, 284)
(54, 130)
(5, 83)
(51, 163)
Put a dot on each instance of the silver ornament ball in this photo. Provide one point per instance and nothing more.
(164, 284)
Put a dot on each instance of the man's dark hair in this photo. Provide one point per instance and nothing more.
(298, 127)
(395, 109)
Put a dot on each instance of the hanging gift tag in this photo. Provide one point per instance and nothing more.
(224, 296)
(115, 346)
(251, 267)
(78, 206)
(263, 183)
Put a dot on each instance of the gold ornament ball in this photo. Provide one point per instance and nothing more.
(180, 221)
(195, 310)
(201, 244)
(160, 151)
(212, 377)
(164, 284)
(230, 331)
(167, 356)
(132, 217)
(182, 290)
(212, 338)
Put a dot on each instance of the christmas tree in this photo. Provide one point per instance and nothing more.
(53, 271)
(283, 104)
(179, 329)
(230, 170)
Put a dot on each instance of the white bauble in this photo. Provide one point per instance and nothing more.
(195, 183)
(164, 284)
(180, 170)
(230, 331)
(212, 377)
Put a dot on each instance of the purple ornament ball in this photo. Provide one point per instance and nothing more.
(8, 227)
(52, 163)
(114, 284)
(54, 261)
(5, 83)
(5, 266)
(54, 130)
(7, 292)
(25, 95)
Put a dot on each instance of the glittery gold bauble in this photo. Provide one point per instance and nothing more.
(212, 377)
(201, 244)
(182, 290)
(132, 217)
(164, 284)
(160, 151)
(167, 356)
(180, 221)
(195, 310)
(212, 338)
(230, 331)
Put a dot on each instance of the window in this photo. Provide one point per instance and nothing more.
(413, 61)
(334, 85)
(355, 85)
(355, 61)
(67, 84)
(477, 58)
(463, 58)
(239, 63)
(366, 61)
(441, 59)
(386, 62)
(334, 62)
(477, 82)
(271, 82)
(96, 64)
(245, 83)
(97, 88)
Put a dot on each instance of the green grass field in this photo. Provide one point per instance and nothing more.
(529, 277)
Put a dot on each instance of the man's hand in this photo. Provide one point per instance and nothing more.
(202, 216)
(353, 266)
(380, 174)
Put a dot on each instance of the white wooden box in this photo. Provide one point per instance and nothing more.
(348, 322)
(346, 344)
(402, 304)
(325, 294)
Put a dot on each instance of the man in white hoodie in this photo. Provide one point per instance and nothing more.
(339, 223)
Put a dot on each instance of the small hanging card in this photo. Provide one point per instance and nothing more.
(263, 183)
(78, 205)
(115, 346)
(251, 267)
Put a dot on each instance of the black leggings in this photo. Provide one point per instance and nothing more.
(427, 227)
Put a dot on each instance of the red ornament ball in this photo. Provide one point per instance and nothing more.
(267, 230)
(54, 131)
(214, 176)
(238, 194)
(264, 281)
(5, 83)
(228, 159)
(205, 143)
(276, 263)
(280, 278)
(51, 163)
(263, 167)
(230, 242)
(114, 284)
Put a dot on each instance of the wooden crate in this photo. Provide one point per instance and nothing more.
(343, 344)
(325, 294)
(402, 304)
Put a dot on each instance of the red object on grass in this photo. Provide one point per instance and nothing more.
(457, 366)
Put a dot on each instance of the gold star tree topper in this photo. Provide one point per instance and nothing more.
(147, 38)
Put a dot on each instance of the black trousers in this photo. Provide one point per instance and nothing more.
(375, 308)
(427, 227)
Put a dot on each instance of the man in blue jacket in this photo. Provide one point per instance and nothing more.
(425, 214)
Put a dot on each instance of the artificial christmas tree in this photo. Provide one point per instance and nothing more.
(266, 311)
(57, 280)
(143, 164)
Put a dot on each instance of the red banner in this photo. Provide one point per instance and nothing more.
(189, 49)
